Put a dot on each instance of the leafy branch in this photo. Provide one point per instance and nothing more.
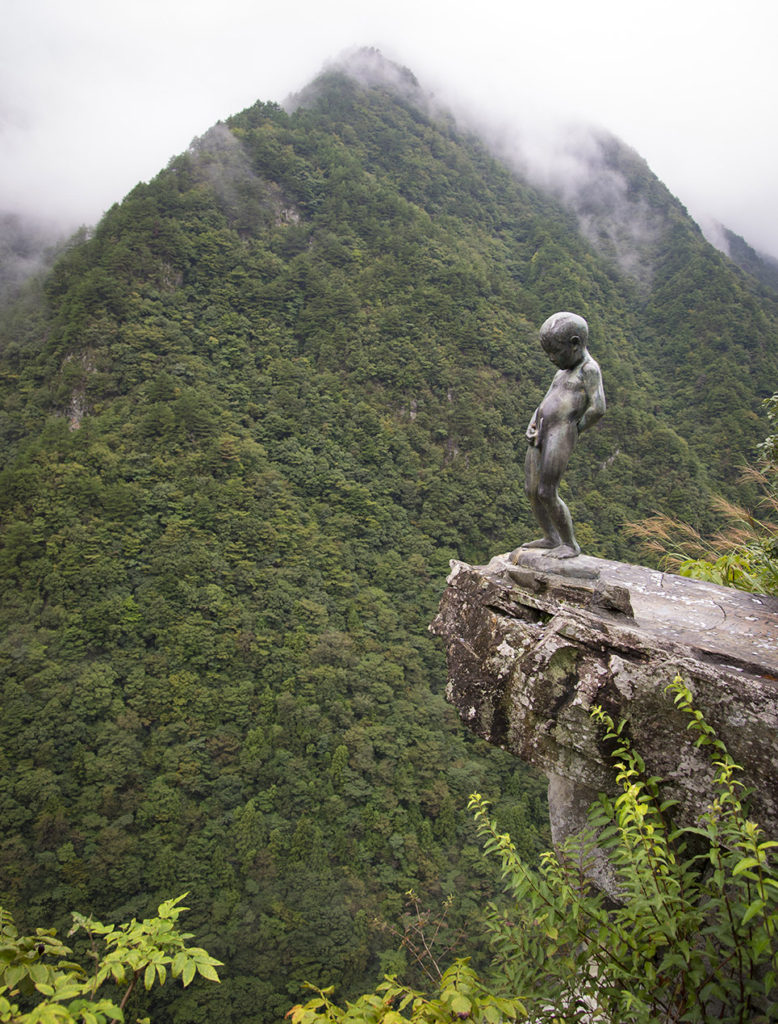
(461, 996)
(35, 969)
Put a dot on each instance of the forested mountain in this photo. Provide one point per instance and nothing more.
(245, 425)
(758, 264)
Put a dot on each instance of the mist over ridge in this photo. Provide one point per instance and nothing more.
(620, 204)
(586, 167)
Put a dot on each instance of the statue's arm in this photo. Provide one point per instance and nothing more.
(595, 410)
(534, 426)
(533, 430)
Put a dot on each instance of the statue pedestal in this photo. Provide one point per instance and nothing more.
(534, 642)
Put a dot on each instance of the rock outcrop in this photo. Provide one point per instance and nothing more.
(532, 646)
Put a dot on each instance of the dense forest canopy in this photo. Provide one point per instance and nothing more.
(245, 424)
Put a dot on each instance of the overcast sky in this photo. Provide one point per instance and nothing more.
(96, 95)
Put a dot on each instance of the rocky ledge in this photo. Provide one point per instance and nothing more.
(534, 642)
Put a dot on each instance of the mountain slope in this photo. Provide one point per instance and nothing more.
(759, 265)
(256, 414)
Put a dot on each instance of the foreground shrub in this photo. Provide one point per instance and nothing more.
(688, 932)
(40, 984)
(692, 934)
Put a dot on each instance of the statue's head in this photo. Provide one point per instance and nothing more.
(564, 337)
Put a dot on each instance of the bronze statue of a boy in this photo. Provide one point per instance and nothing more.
(573, 403)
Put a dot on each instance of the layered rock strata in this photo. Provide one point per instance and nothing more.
(533, 642)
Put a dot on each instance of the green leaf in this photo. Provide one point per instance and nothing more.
(744, 865)
(117, 971)
(188, 973)
(68, 991)
(148, 976)
(208, 971)
(461, 1005)
(38, 972)
(755, 908)
(14, 974)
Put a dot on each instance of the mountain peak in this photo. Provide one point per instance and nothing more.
(368, 67)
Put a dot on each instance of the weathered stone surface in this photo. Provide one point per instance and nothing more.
(532, 646)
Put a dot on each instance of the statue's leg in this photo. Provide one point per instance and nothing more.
(532, 465)
(557, 448)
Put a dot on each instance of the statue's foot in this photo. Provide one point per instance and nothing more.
(564, 551)
(542, 542)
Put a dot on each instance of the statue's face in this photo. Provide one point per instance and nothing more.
(563, 350)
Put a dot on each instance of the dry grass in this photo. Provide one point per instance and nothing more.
(675, 542)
